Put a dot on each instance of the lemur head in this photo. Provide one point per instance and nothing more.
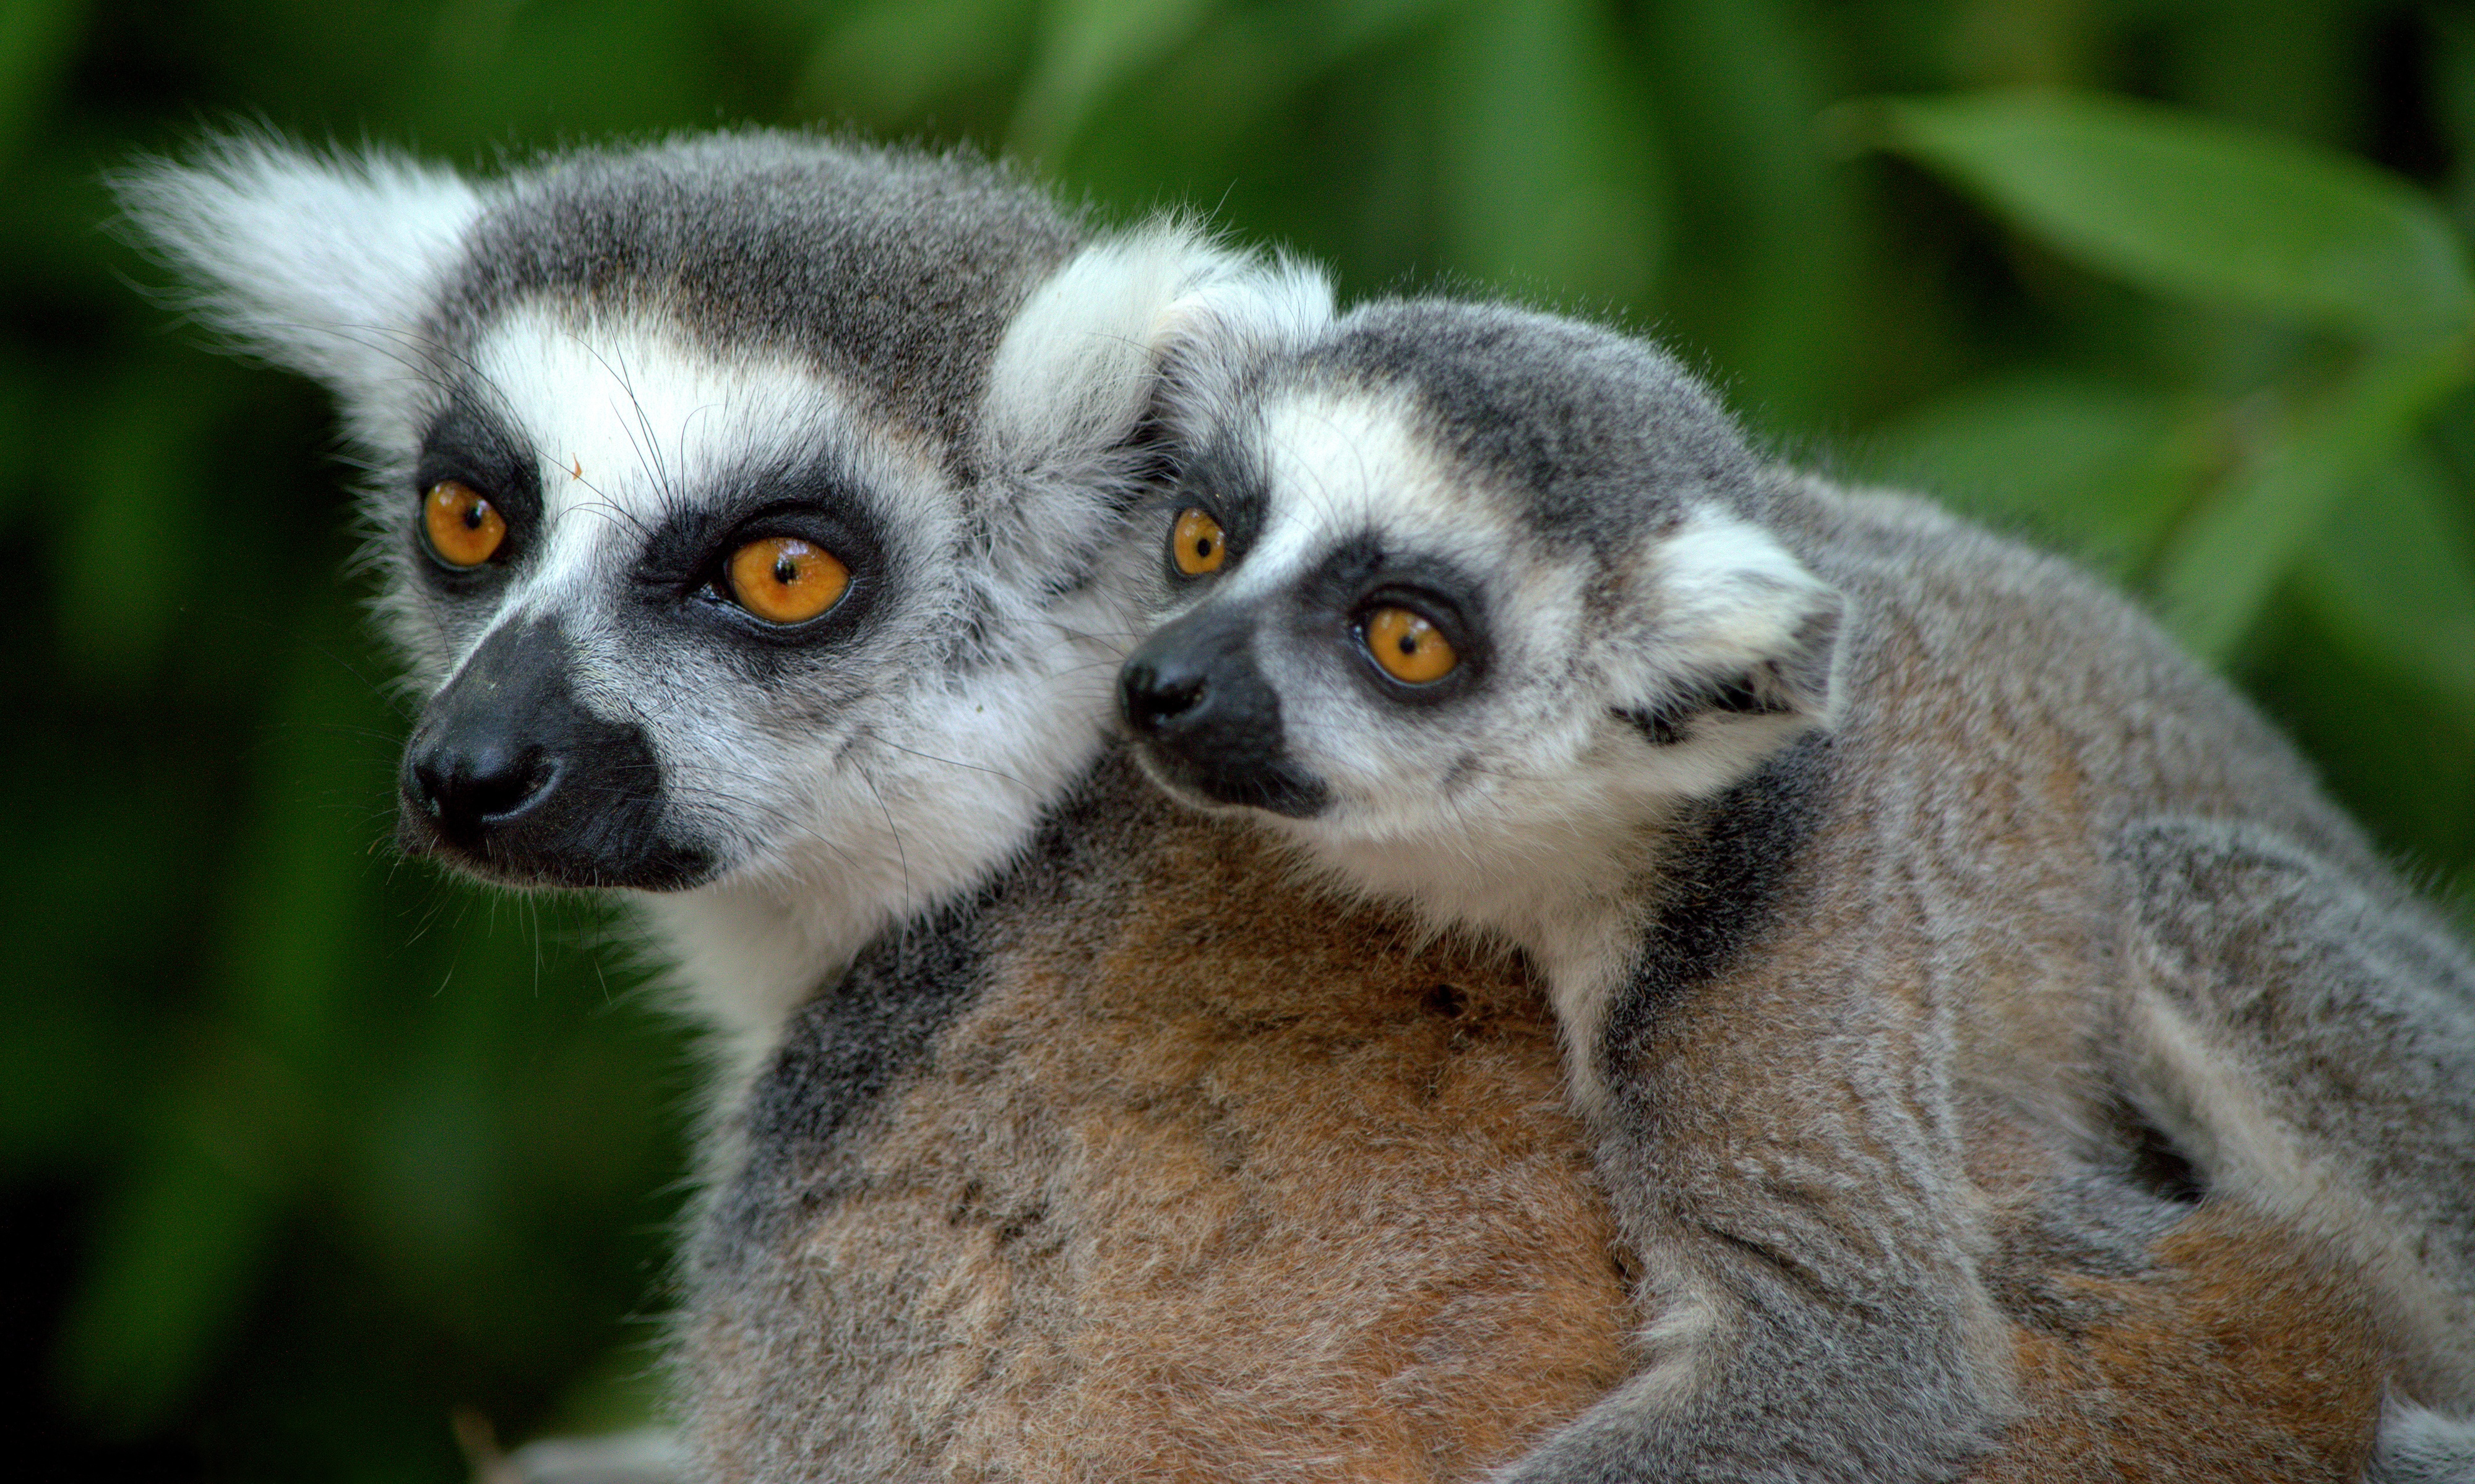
(1465, 597)
(745, 503)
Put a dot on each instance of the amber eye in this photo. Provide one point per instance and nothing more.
(1197, 542)
(464, 529)
(783, 579)
(1407, 646)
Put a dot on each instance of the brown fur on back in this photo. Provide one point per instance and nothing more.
(2236, 1354)
(1215, 1180)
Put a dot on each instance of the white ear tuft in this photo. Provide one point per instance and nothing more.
(1081, 367)
(1738, 623)
(323, 264)
(1077, 369)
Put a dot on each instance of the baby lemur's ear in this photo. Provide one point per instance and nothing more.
(1075, 394)
(325, 264)
(1734, 625)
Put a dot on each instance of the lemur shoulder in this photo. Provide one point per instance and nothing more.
(1150, 1161)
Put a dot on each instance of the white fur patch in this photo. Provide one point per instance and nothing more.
(633, 423)
(324, 264)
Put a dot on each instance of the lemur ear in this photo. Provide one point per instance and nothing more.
(324, 264)
(1074, 392)
(1081, 363)
(1740, 626)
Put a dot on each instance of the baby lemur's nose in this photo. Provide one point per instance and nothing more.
(1155, 694)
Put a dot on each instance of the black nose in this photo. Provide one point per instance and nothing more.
(1157, 695)
(466, 782)
(513, 777)
(1201, 710)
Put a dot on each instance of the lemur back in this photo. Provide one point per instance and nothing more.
(1859, 850)
(1154, 1163)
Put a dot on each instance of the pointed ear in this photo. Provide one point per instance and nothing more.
(1081, 365)
(1073, 421)
(1739, 626)
(323, 264)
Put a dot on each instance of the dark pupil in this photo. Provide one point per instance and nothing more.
(472, 515)
(1409, 643)
(1203, 545)
(786, 569)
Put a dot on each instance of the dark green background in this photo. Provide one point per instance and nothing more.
(305, 1147)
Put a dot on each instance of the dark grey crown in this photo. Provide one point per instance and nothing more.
(1602, 432)
(893, 270)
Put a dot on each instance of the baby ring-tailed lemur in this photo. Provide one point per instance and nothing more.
(1845, 835)
(747, 505)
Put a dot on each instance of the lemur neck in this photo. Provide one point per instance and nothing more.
(1573, 898)
(748, 949)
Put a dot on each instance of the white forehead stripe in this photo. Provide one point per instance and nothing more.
(629, 419)
(1359, 462)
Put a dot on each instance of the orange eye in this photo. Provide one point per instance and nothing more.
(783, 579)
(1198, 544)
(1407, 646)
(464, 529)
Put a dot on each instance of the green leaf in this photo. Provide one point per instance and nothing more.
(137, 493)
(1085, 47)
(890, 60)
(2396, 578)
(180, 1248)
(2218, 575)
(2099, 467)
(37, 38)
(2187, 205)
(1551, 179)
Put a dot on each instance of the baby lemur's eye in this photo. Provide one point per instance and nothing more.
(1410, 649)
(464, 528)
(783, 579)
(1196, 543)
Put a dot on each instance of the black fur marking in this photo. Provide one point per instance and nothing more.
(842, 1053)
(513, 778)
(468, 442)
(1226, 480)
(1669, 722)
(1723, 886)
(1663, 725)
(2163, 1170)
(1194, 701)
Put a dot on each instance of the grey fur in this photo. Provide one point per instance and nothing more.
(1853, 842)
(895, 268)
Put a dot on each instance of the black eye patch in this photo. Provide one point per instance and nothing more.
(1361, 573)
(683, 557)
(470, 444)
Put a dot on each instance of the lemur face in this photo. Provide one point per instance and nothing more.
(683, 614)
(1456, 574)
(750, 506)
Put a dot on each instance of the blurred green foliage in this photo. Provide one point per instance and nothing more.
(304, 1148)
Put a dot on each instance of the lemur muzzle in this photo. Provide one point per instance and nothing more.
(515, 777)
